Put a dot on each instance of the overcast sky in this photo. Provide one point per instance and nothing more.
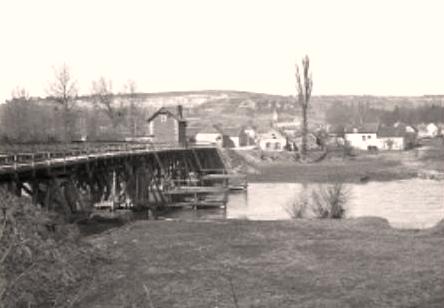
(356, 47)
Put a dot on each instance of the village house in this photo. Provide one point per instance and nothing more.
(247, 137)
(272, 140)
(291, 128)
(430, 130)
(168, 126)
(230, 137)
(296, 142)
(373, 137)
(405, 127)
(209, 135)
(391, 138)
(410, 134)
(335, 135)
(363, 138)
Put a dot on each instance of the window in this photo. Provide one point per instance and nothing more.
(363, 138)
(163, 118)
(277, 146)
(369, 137)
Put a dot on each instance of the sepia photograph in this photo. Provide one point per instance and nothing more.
(221, 154)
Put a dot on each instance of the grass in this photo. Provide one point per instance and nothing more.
(303, 263)
(364, 166)
(352, 170)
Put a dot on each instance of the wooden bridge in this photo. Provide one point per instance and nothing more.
(74, 179)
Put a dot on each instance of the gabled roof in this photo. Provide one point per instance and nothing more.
(403, 126)
(391, 132)
(272, 134)
(230, 131)
(431, 123)
(166, 110)
(336, 129)
(371, 128)
(212, 129)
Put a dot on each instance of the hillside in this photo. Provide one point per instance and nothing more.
(225, 107)
(264, 101)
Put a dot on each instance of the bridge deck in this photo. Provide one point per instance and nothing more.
(21, 161)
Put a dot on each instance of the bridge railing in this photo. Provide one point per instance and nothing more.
(56, 154)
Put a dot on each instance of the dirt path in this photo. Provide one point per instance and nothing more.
(300, 263)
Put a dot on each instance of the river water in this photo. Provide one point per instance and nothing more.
(413, 203)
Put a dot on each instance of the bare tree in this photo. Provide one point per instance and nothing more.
(362, 112)
(130, 90)
(103, 98)
(304, 88)
(63, 89)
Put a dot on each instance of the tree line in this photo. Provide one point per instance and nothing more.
(64, 116)
(362, 112)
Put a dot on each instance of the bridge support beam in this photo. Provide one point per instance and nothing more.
(135, 180)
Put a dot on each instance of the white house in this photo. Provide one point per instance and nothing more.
(272, 140)
(371, 136)
(430, 130)
(224, 137)
(250, 132)
(209, 135)
(391, 138)
(362, 138)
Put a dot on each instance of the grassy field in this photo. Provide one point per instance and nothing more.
(379, 167)
(330, 171)
(301, 263)
(363, 166)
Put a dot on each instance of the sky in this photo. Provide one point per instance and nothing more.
(373, 47)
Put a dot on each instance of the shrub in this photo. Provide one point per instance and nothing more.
(297, 208)
(42, 261)
(329, 201)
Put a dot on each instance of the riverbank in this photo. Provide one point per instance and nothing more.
(359, 169)
(301, 263)
(425, 162)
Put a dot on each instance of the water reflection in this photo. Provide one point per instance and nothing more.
(414, 203)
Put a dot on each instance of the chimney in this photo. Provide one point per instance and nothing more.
(180, 111)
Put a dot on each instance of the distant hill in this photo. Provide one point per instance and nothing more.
(261, 101)
(236, 108)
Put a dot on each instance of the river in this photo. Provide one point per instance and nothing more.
(412, 203)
